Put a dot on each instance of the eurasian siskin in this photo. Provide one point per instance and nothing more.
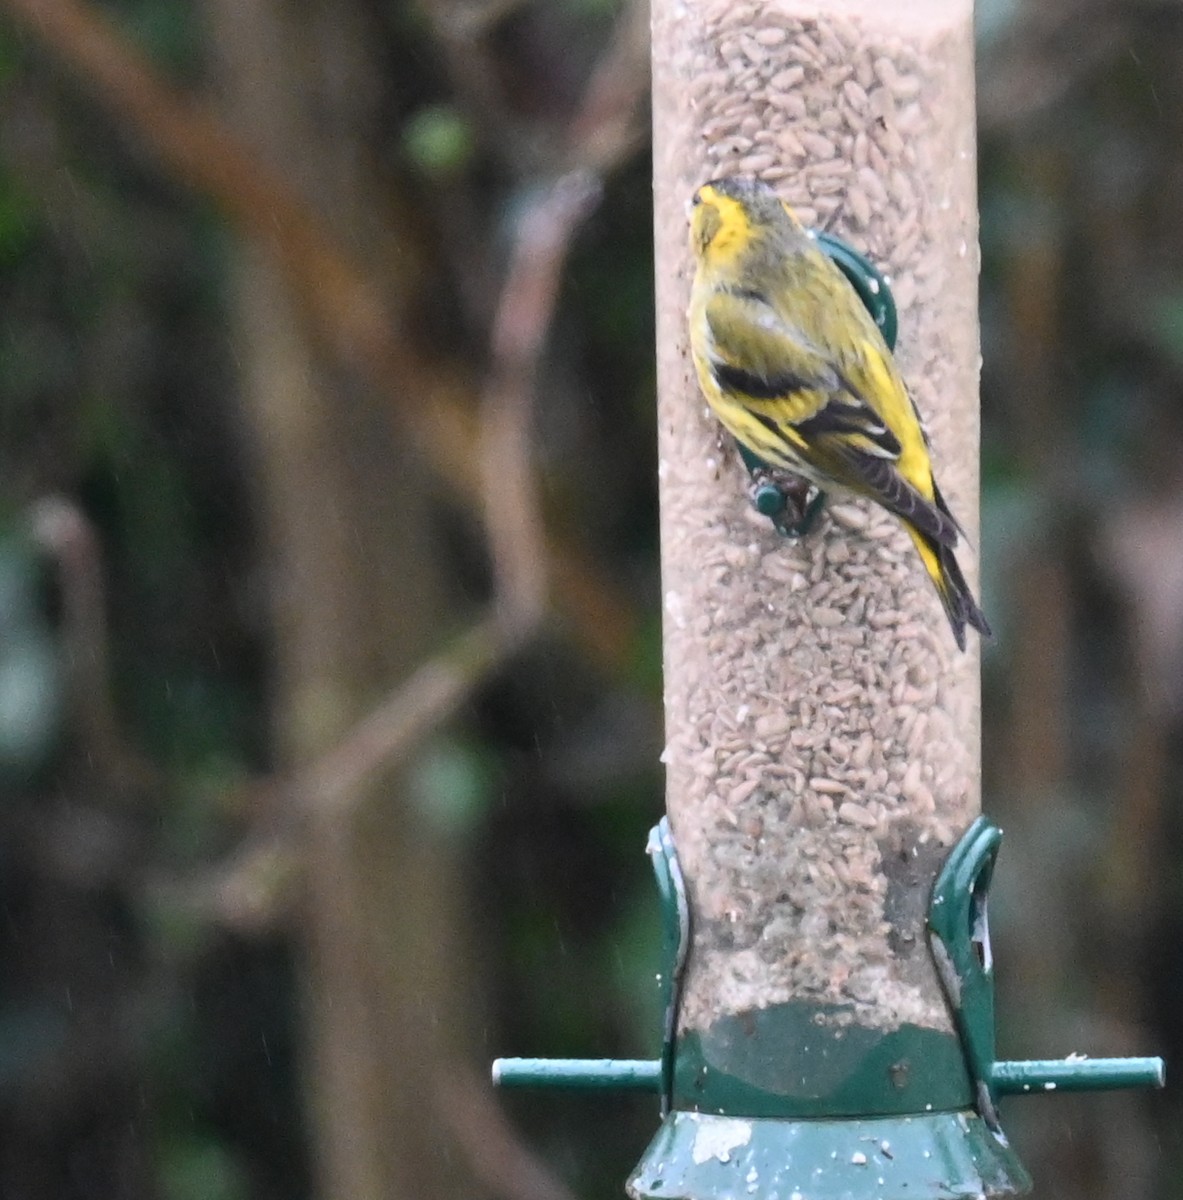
(795, 368)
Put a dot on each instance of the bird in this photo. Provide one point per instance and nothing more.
(795, 368)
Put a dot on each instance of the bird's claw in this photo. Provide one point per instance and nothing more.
(792, 504)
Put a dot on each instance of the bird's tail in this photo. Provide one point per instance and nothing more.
(945, 572)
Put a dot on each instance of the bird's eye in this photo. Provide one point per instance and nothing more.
(697, 200)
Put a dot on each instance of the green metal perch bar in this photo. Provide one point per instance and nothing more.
(584, 1074)
(1008, 1078)
(1076, 1075)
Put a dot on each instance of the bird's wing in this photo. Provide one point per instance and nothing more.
(880, 479)
(755, 356)
(823, 410)
(760, 360)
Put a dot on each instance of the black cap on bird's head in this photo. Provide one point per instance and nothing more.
(739, 187)
(753, 194)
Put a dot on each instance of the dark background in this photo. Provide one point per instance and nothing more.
(275, 281)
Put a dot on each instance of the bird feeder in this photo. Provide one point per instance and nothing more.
(829, 984)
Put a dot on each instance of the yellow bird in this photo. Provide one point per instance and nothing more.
(795, 368)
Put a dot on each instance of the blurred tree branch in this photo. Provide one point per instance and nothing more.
(346, 307)
(66, 535)
(349, 309)
(351, 314)
(512, 516)
(367, 985)
(246, 889)
(606, 128)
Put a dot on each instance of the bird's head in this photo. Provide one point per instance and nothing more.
(729, 215)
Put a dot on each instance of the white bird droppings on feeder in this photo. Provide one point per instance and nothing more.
(718, 1137)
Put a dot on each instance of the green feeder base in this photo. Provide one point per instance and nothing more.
(927, 1156)
(926, 1141)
